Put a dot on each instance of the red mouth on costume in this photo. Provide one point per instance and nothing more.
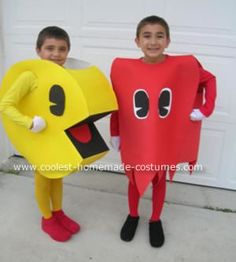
(86, 138)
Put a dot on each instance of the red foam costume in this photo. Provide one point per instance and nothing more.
(155, 101)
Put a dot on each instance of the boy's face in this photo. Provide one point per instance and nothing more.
(55, 50)
(152, 40)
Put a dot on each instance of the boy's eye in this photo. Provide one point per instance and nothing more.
(62, 49)
(49, 48)
(141, 104)
(57, 97)
(164, 103)
(146, 36)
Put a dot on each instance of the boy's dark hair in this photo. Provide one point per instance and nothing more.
(153, 19)
(52, 32)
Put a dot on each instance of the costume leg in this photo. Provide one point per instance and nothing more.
(42, 194)
(158, 196)
(49, 224)
(129, 227)
(56, 193)
(56, 197)
(156, 233)
(133, 199)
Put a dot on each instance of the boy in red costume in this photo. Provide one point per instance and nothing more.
(161, 106)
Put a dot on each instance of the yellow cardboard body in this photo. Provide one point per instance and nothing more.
(87, 92)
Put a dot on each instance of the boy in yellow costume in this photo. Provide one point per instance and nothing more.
(53, 44)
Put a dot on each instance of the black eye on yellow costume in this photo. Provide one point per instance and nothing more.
(57, 97)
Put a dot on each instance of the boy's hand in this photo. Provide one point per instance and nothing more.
(115, 143)
(197, 115)
(38, 124)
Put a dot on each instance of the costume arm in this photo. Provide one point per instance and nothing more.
(114, 121)
(114, 124)
(22, 86)
(208, 83)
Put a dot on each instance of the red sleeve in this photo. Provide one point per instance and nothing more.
(114, 120)
(208, 83)
(114, 124)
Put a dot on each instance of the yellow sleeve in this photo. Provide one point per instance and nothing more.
(22, 86)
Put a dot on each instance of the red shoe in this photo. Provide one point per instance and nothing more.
(69, 224)
(55, 230)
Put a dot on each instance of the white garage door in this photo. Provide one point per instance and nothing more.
(102, 29)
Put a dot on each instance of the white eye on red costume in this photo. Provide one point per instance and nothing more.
(164, 103)
(141, 103)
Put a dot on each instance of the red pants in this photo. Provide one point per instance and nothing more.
(158, 197)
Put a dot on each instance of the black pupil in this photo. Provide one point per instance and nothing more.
(141, 102)
(57, 97)
(164, 101)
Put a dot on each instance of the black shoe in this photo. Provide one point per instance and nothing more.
(129, 228)
(156, 234)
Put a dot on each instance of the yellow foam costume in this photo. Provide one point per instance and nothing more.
(70, 101)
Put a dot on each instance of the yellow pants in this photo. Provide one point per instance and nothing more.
(48, 194)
